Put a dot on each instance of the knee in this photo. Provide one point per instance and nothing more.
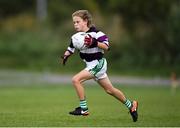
(75, 81)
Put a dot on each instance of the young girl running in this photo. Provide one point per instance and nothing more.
(96, 65)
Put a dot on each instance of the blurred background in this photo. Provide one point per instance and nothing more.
(144, 35)
(144, 62)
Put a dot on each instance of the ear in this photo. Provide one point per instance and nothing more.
(85, 20)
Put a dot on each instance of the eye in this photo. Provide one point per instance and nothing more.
(75, 22)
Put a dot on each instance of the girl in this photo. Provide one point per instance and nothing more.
(96, 64)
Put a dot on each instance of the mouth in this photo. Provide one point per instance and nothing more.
(76, 28)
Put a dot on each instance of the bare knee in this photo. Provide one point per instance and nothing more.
(75, 81)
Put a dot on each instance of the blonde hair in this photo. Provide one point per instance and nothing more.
(85, 15)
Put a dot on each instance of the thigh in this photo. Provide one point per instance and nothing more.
(83, 75)
(105, 83)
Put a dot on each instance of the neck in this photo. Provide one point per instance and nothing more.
(86, 29)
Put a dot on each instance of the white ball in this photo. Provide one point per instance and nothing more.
(78, 40)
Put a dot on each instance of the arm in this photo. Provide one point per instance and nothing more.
(65, 57)
(70, 50)
(103, 46)
(67, 53)
(91, 42)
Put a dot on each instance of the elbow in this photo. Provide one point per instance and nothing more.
(107, 48)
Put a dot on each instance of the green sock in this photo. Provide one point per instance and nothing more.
(83, 104)
(128, 104)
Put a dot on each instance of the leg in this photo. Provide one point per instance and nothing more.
(108, 87)
(77, 82)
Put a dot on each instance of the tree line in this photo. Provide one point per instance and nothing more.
(143, 33)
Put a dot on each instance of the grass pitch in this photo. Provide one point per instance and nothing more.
(48, 105)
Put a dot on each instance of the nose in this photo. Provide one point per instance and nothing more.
(75, 23)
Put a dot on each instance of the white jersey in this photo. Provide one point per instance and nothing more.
(92, 53)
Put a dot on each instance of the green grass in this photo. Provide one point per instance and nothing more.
(48, 105)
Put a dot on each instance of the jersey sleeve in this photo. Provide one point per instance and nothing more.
(101, 37)
(71, 48)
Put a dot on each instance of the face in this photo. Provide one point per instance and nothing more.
(80, 25)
